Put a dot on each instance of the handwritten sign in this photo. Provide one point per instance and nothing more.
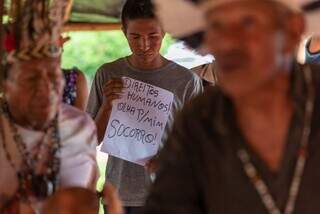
(137, 122)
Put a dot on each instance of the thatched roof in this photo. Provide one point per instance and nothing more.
(94, 14)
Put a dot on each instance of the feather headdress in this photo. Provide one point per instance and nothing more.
(35, 28)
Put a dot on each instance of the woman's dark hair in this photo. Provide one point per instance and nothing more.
(137, 9)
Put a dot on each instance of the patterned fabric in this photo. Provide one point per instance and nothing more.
(36, 28)
(70, 88)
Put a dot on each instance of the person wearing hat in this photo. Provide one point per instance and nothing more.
(251, 143)
(44, 144)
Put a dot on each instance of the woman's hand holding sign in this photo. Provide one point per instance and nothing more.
(112, 90)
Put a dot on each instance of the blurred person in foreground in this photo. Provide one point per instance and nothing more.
(44, 145)
(249, 145)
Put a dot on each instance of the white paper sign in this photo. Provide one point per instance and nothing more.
(137, 122)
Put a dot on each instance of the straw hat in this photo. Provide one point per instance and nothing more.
(184, 19)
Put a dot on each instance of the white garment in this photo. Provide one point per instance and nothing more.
(77, 154)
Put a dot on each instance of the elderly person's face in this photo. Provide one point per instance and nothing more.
(33, 91)
(251, 41)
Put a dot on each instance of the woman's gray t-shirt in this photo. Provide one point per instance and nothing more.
(132, 180)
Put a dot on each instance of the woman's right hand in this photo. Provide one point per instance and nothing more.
(112, 91)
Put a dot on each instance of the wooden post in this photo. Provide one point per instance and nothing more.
(68, 11)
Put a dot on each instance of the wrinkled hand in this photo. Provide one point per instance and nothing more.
(112, 199)
(112, 91)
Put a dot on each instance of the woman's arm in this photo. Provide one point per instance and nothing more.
(82, 92)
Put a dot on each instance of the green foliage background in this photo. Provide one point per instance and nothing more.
(89, 50)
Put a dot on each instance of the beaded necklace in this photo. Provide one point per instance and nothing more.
(256, 179)
(32, 183)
